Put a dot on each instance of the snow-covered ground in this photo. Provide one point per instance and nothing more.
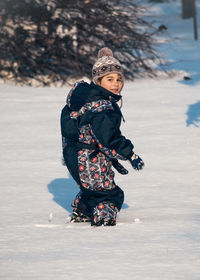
(158, 231)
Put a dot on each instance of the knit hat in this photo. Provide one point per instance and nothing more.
(106, 64)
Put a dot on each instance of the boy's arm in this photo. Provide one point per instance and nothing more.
(105, 129)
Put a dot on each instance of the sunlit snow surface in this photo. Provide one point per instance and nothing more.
(158, 230)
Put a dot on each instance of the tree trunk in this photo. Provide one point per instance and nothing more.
(188, 9)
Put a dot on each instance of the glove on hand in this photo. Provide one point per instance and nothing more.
(119, 167)
(136, 162)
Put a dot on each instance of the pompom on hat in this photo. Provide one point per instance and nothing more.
(104, 52)
(106, 64)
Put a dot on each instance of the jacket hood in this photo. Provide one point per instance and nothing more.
(83, 93)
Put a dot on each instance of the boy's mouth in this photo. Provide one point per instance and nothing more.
(115, 90)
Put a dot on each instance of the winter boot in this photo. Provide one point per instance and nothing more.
(80, 212)
(104, 214)
(79, 218)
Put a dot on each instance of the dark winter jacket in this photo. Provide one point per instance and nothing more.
(90, 126)
(98, 108)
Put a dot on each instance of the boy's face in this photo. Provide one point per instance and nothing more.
(112, 82)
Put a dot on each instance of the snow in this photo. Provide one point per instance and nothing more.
(158, 231)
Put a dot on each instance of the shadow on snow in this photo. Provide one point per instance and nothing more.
(63, 191)
(193, 114)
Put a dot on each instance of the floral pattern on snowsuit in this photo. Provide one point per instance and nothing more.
(95, 173)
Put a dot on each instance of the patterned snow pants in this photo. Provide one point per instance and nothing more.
(99, 196)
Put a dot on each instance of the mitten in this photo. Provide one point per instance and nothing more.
(136, 162)
(119, 167)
